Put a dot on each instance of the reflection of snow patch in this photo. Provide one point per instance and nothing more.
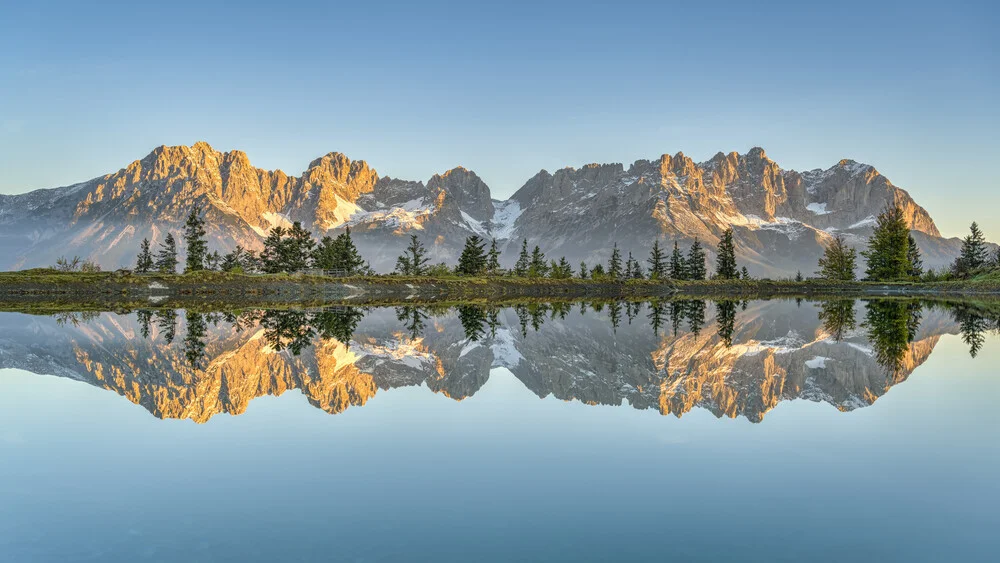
(472, 345)
(157, 285)
(505, 352)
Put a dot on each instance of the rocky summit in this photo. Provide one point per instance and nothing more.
(781, 218)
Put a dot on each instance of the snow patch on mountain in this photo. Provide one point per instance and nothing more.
(504, 215)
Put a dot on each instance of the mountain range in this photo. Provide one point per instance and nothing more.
(781, 218)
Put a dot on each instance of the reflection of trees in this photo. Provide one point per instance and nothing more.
(194, 338)
(837, 317)
(632, 310)
(695, 313)
(75, 319)
(144, 317)
(973, 323)
(725, 320)
(892, 325)
(166, 321)
(472, 318)
(287, 329)
(338, 323)
(412, 318)
(657, 313)
(615, 314)
(676, 315)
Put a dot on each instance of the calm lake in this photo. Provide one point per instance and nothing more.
(777, 430)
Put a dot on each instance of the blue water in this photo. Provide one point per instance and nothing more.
(87, 475)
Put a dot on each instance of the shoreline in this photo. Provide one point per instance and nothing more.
(115, 289)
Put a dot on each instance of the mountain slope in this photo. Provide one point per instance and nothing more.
(781, 218)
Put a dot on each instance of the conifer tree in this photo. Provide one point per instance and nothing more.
(597, 272)
(194, 239)
(798, 276)
(565, 268)
(745, 273)
(725, 261)
(888, 247)
(414, 260)
(298, 248)
(233, 260)
(166, 258)
(974, 255)
(657, 262)
(493, 259)
(838, 261)
(677, 264)
(347, 256)
(212, 260)
(523, 261)
(694, 265)
(913, 257)
(325, 254)
(472, 262)
(584, 272)
(144, 263)
(538, 267)
(271, 255)
(615, 264)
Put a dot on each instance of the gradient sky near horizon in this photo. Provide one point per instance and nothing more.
(506, 89)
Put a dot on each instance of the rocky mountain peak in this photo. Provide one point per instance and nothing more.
(467, 189)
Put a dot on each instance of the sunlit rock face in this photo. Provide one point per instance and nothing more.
(672, 357)
(782, 218)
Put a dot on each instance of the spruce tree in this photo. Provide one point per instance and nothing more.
(725, 261)
(324, 256)
(888, 247)
(565, 269)
(615, 264)
(233, 260)
(798, 276)
(838, 261)
(974, 255)
(493, 259)
(271, 255)
(347, 256)
(144, 263)
(745, 274)
(694, 265)
(472, 262)
(584, 272)
(523, 261)
(657, 262)
(414, 260)
(677, 264)
(166, 258)
(212, 260)
(195, 241)
(299, 247)
(538, 267)
(913, 257)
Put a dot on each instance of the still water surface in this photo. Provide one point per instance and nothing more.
(768, 430)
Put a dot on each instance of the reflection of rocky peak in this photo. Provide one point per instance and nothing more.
(779, 352)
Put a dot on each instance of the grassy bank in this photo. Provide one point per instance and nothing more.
(114, 289)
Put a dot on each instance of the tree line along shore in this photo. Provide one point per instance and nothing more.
(290, 253)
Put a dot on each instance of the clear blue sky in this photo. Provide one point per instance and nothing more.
(507, 89)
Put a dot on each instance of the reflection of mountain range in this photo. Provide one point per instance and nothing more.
(778, 351)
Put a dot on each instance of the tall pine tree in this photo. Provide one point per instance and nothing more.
(888, 247)
(615, 264)
(414, 260)
(523, 261)
(472, 262)
(678, 270)
(913, 257)
(657, 262)
(974, 255)
(166, 258)
(493, 259)
(538, 267)
(144, 263)
(195, 241)
(838, 261)
(695, 268)
(725, 261)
